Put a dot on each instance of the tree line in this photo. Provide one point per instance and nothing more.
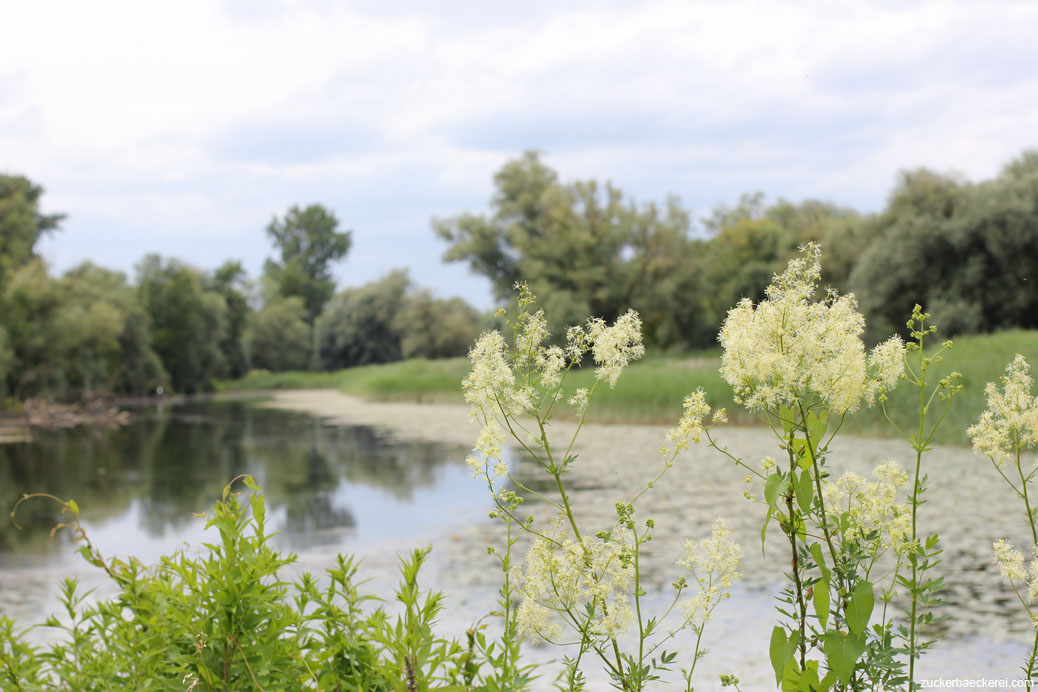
(93, 332)
(965, 251)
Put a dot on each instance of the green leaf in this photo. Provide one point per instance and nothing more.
(787, 415)
(800, 447)
(859, 608)
(805, 491)
(791, 678)
(816, 552)
(774, 487)
(821, 601)
(782, 650)
(73, 506)
(842, 651)
(816, 427)
(809, 677)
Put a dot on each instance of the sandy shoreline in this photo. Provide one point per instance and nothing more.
(967, 506)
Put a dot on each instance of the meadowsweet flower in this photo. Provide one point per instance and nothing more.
(562, 574)
(1011, 418)
(490, 375)
(579, 398)
(613, 348)
(487, 450)
(1010, 561)
(874, 505)
(714, 564)
(789, 348)
(690, 427)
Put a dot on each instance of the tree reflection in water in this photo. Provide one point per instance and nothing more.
(146, 480)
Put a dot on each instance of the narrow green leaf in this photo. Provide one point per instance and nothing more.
(805, 490)
(788, 416)
(816, 552)
(859, 608)
(821, 601)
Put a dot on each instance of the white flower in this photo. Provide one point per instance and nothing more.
(874, 505)
(790, 349)
(1011, 418)
(613, 348)
(562, 575)
(691, 426)
(714, 564)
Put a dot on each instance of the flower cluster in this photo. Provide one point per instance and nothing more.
(714, 564)
(691, 425)
(873, 505)
(791, 349)
(563, 579)
(507, 382)
(1010, 421)
(613, 348)
(1015, 570)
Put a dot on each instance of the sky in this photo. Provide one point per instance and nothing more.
(184, 127)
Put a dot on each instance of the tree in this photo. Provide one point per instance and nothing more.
(361, 326)
(77, 335)
(229, 282)
(189, 323)
(582, 247)
(431, 327)
(966, 252)
(278, 336)
(308, 242)
(21, 222)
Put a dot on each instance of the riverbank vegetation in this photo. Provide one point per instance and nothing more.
(585, 246)
(653, 389)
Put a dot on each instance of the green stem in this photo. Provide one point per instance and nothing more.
(1033, 660)
(801, 603)
(1023, 482)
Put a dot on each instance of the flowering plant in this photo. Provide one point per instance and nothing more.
(801, 366)
(1008, 426)
(581, 585)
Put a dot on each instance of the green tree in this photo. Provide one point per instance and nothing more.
(22, 223)
(189, 323)
(966, 252)
(308, 241)
(278, 336)
(432, 327)
(79, 335)
(581, 245)
(229, 282)
(361, 325)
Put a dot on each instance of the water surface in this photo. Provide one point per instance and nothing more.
(342, 488)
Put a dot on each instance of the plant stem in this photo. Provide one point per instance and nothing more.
(801, 603)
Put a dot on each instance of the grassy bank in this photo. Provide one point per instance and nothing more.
(651, 391)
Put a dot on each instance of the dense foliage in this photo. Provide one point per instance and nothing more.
(584, 246)
(588, 249)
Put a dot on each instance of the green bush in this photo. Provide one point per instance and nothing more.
(227, 620)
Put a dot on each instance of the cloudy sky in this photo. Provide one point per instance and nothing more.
(183, 127)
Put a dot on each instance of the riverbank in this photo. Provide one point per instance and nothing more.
(967, 504)
(651, 390)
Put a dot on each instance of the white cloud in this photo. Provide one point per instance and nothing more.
(156, 124)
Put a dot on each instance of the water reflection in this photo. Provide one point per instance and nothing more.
(139, 486)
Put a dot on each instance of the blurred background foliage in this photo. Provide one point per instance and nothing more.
(966, 251)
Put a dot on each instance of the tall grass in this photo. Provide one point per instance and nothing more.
(651, 390)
